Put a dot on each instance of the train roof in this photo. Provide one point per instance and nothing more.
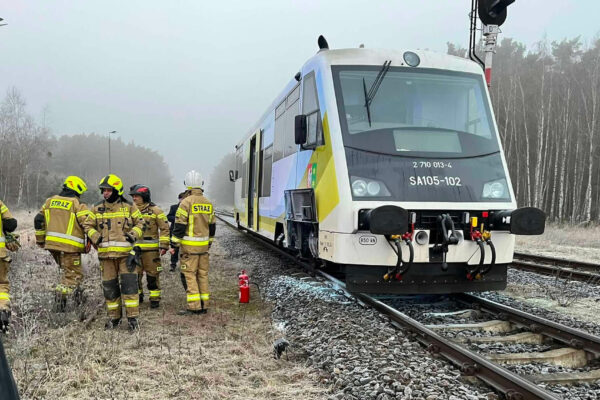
(363, 56)
(368, 56)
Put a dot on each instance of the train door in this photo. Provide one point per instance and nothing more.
(251, 181)
(254, 184)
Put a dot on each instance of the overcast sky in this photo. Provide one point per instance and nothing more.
(189, 78)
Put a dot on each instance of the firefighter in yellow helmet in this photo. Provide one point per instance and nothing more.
(193, 234)
(59, 229)
(7, 225)
(113, 226)
(155, 239)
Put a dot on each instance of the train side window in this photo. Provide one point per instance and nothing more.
(278, 140)
(244, 180)
(238, 163)
(280, 110)
(293, 109)
(310, 108)
(266, 172)
(293, 96)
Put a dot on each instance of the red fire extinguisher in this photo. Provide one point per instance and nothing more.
(244, 282)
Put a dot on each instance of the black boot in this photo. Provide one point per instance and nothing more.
(78, 298)
(60, 303)
(154, 304)
(4, 320)
(133, 324)
(112, 323)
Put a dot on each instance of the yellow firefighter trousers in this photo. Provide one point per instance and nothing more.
(117, 283)
(194, 276)
(4, 285)
(151, 264)
(71, 271)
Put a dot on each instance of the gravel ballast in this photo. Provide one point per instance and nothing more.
(360, 354)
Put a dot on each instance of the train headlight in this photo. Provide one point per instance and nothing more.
(495, 189)
(373, 188)
(363, 187)
(359, 188)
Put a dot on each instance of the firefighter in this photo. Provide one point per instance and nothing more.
(193, 234)
(113, 226)
(58, 228)
(171, 218)
(153, 244)
(7, 225)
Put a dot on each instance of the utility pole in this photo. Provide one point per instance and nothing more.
(109, 163)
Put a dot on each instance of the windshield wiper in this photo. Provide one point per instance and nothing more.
(375, 87)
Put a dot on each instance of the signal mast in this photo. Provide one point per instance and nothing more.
(492, 14)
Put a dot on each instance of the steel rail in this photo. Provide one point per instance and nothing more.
(558, 261)
(511, 385)
(566, 273)
(562, 333)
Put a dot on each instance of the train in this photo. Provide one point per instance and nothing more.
(385, 167)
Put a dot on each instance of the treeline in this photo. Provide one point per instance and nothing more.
(33, 163)
(547, 106)
(220, 189)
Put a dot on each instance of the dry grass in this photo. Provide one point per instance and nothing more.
(226, 354)
(564, 240)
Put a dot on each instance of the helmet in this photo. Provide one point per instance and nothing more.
(193, 179)
(76, 184)
(141, 190)
(111, 181)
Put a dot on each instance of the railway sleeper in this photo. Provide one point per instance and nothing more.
(523, 338)
(565, 357)
(566, 378)
(494, 326)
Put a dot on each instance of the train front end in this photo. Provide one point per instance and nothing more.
(433, 209)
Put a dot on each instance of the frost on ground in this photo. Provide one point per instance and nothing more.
(573, 242)
(580, 300)
(226, 354)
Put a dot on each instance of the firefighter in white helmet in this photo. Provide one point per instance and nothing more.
(59, 229)
(193, 233)
(153, 244)
(113, 225)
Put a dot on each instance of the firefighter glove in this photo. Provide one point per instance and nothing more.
(129, 237)
(133, 259)
(12, 241)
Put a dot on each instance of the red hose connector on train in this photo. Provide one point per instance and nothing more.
(477, 237)
(244, 284)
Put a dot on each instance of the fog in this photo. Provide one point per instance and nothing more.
(189, 78)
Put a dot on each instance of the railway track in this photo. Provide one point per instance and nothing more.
(562, 268)
(573, 344)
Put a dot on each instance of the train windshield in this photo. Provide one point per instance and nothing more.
(414, 112)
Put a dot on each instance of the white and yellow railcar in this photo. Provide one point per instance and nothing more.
(387, 165)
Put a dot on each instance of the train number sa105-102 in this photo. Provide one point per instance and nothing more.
(433, 180)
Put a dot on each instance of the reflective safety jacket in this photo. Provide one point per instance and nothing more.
(8, 224)
(194, 223)
(59, 224)
(156, 228)
(109, 225)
